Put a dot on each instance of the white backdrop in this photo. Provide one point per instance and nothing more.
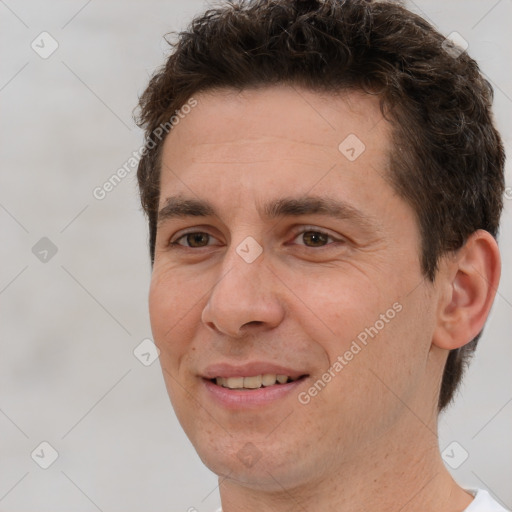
(75, 270)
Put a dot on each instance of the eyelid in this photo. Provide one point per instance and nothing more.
(305, 229)
(175, 239)
(296, 232)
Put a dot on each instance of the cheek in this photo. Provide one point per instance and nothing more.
(174, 311)
(336, 305)
(172, 316)
(378, 328)
(162, 302)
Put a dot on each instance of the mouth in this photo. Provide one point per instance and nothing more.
(254, 382)
(252, 385)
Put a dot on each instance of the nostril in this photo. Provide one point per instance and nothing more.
(253, 322)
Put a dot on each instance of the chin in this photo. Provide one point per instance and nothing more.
(269, 468)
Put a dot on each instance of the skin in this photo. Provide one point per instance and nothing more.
(368, 439)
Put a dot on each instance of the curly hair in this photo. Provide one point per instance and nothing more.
(447, 158)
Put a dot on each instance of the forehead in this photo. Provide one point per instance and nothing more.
(284, 113)
(271, 137)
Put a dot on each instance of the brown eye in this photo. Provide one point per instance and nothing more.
(196, 239)
(315, 238)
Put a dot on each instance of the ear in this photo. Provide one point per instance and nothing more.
(467, 283)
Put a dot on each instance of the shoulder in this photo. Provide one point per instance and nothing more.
(483, 502)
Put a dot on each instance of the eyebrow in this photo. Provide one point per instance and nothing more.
(179, 207)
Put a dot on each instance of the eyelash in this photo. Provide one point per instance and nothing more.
(306, 229)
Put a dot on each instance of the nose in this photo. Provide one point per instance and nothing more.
(244, 298)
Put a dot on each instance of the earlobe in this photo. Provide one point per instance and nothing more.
(468, 280)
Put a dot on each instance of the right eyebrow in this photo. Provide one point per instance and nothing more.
(178, 207)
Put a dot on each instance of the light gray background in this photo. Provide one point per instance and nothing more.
(69, 326)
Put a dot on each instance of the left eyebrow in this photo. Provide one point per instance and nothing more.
(312, 205)
(178, 206)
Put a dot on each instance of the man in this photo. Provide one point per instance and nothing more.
(323, 183)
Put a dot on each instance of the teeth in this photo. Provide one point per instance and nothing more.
(268, 379)
(254, 382)
(233, 382)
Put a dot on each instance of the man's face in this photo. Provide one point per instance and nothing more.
(301, 262)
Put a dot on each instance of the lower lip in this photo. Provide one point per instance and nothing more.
(239, 399)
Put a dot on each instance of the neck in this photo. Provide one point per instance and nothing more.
(403, 472)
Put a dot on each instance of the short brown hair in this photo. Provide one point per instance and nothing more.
(447, 158)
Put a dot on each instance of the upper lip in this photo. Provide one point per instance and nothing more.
(249, 370)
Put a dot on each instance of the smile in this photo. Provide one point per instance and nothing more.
(253, 382)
